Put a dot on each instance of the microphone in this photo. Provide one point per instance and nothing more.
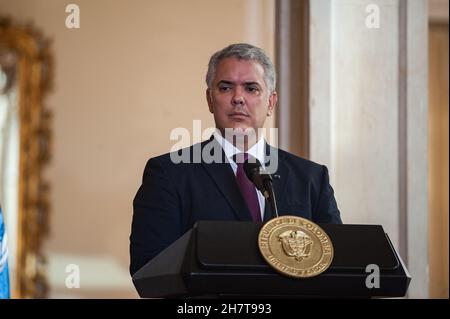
(262, 181)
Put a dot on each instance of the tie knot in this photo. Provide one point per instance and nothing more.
(240, 158)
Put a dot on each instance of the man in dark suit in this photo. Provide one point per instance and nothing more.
(206, 181)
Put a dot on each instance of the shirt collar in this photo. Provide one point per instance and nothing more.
(257, 150)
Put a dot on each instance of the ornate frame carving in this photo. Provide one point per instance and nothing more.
(34, 78)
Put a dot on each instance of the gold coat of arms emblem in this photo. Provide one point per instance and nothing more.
(295, 246)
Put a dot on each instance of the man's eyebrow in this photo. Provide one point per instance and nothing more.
(252, 83)
(232, 83)
(225, 82)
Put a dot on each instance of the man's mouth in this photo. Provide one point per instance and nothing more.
(238, 115)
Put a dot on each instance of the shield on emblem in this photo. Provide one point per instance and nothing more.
(296, 244)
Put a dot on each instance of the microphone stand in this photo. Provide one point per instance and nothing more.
(263, 182)
(270, 196)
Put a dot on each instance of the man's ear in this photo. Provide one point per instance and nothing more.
(273, 98)
(209, 100)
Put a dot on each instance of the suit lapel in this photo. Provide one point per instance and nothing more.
(223, 176)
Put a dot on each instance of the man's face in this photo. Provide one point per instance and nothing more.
(239, 96)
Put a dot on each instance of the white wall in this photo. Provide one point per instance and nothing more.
(368, 118)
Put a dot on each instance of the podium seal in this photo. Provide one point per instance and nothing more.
(295, 246)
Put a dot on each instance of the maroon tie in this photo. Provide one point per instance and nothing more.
(247, 188)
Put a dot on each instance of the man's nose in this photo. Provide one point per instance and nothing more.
(238, 98)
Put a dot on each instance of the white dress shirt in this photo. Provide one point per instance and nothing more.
(257, 151)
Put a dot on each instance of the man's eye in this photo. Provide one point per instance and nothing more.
(252, 89)
(224, 88)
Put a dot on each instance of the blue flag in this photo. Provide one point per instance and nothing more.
(4, 274)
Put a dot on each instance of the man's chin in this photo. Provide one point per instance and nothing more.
(240, 129)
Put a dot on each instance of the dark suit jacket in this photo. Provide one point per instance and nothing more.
(173, 197)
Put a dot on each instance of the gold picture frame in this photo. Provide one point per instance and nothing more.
(34, 80)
